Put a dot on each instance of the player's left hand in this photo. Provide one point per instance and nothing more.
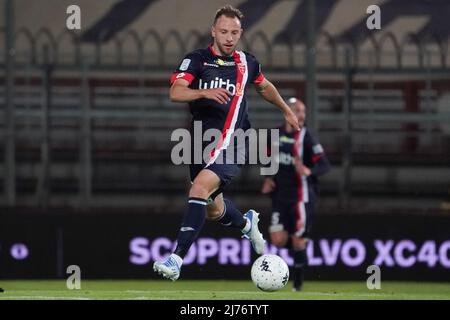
(291, 118)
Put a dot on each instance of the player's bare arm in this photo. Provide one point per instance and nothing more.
(269, 93)
(180, 92)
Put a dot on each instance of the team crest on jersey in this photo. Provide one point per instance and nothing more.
(242, 68)
(239, 90)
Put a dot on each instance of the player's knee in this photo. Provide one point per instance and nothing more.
(278, 239)
(199, 191)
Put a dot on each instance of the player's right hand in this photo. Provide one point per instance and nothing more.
(219, 95)
(292, 119)
(268, 186)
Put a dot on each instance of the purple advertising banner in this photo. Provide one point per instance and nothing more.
(415, 248)
(403, 253)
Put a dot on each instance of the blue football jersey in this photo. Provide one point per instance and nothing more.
(204, 69)
(290, 186)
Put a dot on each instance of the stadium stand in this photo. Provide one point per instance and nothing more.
(110, 118)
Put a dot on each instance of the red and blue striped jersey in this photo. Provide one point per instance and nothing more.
(290, 186)
(204, 69)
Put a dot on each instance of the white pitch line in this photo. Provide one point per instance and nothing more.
(43, 298)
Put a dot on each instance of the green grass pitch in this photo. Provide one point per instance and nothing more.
(216, 290)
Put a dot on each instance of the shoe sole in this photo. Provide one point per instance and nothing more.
(162, 273)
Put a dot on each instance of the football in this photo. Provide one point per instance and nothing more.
(270, 272)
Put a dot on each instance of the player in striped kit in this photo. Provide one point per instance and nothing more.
(214, 82)
(295, 190)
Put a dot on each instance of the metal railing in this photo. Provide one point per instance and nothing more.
(85, 121)
(152, 49)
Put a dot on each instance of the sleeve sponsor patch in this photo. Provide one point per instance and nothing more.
(185, 64)
(182, 75)
(317, 149)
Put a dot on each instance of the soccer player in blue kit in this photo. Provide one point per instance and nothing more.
(295, 190)
(214, 82)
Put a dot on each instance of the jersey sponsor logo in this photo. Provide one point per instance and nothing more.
(185, 64)
(286, 159)
(222, 63)
(284, 139)
(317, 149)
(218, 83)
(210, 64)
